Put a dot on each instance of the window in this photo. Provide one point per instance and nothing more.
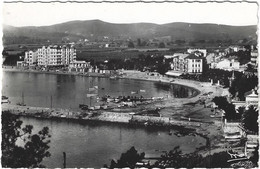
(230, 64)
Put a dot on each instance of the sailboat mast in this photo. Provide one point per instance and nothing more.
(22, 98)
(51, 101)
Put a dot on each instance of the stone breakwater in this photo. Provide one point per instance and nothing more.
(105, 116)
(210, 131)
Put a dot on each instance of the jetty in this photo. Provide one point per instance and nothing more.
(98, 115)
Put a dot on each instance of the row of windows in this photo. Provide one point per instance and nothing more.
(195, 71)
(196, 60)
(196, 65)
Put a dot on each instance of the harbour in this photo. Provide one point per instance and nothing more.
(95, 144)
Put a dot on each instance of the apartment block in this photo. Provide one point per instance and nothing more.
(187, 63)
(51, 56)
(30, 57)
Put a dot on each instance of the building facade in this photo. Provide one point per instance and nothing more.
(226, 64)
(178, 62)
(30, 57)
(203, 51)
(51, 56)
(252, 99)
(187, 63)
(254, 55)
(79, 66)
(194, 64)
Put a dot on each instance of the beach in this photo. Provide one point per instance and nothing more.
(186, 113)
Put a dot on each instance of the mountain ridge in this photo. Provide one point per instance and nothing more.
(96, 29)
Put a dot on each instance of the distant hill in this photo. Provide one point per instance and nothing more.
(96, 30)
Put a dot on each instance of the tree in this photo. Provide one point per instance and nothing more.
(202, 41)
(205, 66)
(35, 146)
(229, 108)
(128, 159)
(144, 43)
(162, 68)
(255, 156)
(161, 45)
(175, 158)
(131, 44)
(139, 42)
(249, 119)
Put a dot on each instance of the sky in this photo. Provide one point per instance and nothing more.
(42, 14)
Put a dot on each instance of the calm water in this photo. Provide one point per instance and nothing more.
(93, 145)
(68, 91)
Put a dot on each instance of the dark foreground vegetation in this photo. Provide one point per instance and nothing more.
(33, 148)
(177, 159)
(247, 117)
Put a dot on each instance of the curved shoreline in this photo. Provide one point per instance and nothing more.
(186, 83)
(204, 129)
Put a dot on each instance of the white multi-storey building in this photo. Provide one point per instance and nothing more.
(68, 53)
(254, 56)
(30, 57)
(51, 56)
(226, 64)
(194, 64)
(187, 63)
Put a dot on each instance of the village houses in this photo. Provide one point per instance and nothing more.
(254, 55)
(193, 50)
(226, 64)
(79, 66)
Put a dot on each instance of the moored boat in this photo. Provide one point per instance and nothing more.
(5, 99)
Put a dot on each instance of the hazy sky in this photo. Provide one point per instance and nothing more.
(38, 14)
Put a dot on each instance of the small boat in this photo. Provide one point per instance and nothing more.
(112, 77)
(83, 106)
(110, 99)
(5, 99)
(104, 107)
(21, 103)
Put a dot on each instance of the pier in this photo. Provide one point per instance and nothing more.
(99, 115)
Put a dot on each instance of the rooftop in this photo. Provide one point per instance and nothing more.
(193, 56)
(251, 93)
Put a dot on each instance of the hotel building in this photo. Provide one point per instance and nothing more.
(51, 56)
(187, 63)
